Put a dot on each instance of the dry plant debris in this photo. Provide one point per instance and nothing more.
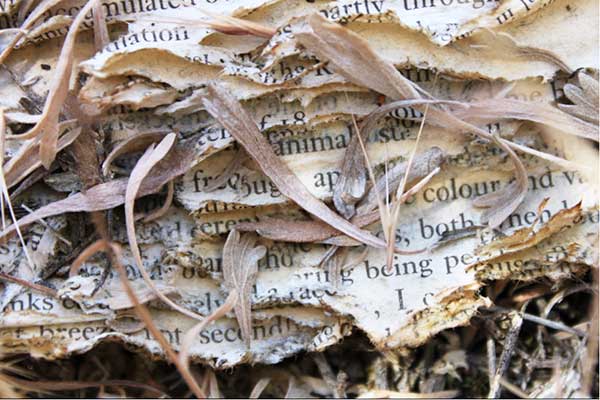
(289, 198)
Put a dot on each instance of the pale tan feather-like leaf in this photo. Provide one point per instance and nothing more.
(584, 98)
(240, 267)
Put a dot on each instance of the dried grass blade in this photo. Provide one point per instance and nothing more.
(423, 165)
(144, 315)
(230, 169)
(396, 207)
(6, 196)
(33, 286)
(221, 23)
(230, 114)
(190, 336)
(98, 245)
(165, 207)
(259, 388)
(356, 61)
(507, 350)
(150, 158)
(240, 267)
(238, 26)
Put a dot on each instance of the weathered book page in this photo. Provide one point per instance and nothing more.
(238, 182)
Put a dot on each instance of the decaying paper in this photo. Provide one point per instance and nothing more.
(314, 285)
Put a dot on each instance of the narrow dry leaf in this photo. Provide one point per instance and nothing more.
(145, 316)
(391, 228)
(230, 169)
(150, 158)
(135, 143)
(37, 13)
(165, 207)
(5, 196)
(489, 43)
(240, 267)
(354, 58)
(496, 109)
(98, 245)
(510, 342)
(317, 231)
(47, 127)
(101, 38)
(231, 115)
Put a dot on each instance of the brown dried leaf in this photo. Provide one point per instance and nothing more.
(27, 158)
(150, 158)
(101, 38)
(190, 336)
(489, 43)
(240, 267)
(231, 115)
(352, 57)
(131, 144)
(47, 127)
(44, 6)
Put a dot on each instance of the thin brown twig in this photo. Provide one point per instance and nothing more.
(34, 286)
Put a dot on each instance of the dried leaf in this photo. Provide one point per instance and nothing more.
(47, 127)
(130, 145)
(489, 43)
(37, 13)
(28, 158)
(584, 98)
(112, 194)
(259, 388)
(101, 38)
(190, 336)
(353, 58)
(229, 112)
(356, 61)
(240, 267)
(423, 164)
(496, 109)
(150, 158)
(221, 23)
